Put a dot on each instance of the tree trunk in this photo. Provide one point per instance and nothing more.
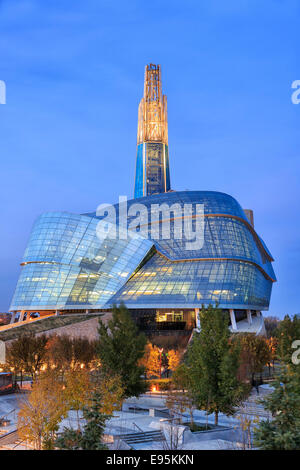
(192, 416)
(78, 422)
(216, 418)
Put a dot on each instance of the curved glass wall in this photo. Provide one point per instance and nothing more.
(184, 284)
(66, 264)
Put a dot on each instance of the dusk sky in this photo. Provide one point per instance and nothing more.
(74, 74)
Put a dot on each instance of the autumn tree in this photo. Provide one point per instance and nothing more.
(246, 423)
(272, 344)
(41, 413)
(65, 352)
(174, 358)
(271, 326)
(84, 352)
(27, 354)
(255, 353)
(151, 360)
(112, 393)
(13, 361)
(120, 348)
(77, 390)
(37, 352)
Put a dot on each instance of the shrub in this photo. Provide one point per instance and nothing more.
(161, 385)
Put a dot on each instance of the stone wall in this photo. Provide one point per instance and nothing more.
(85, 329)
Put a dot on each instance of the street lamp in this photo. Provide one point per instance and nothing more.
(160, 350)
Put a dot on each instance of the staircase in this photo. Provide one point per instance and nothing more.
(9, 438)
(255, 410)
(252, 406)
(141, 437)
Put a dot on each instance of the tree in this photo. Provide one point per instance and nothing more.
(120, 349)
(287, 332)
(27, 354)
(173, 359)
(112, 393)
(151, 360)
(176, 402)
(271, 325)
(213, 364)
(283, 431)
(91, 437)
(41, 413)
(66, 353)
(255, 353)
(173, 436)
(182, 391)
(246, 421)
(37, 352)
(77, 390)
(60, 353)
(84, 352)
(13, 361)
(272, 344)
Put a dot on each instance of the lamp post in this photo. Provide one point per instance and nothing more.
(160, 350)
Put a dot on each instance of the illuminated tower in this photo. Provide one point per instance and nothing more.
(152, 161)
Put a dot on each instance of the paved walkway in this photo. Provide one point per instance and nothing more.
(127, 421)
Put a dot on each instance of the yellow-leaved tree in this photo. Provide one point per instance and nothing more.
(152, 360)
(41, 412)
(112, 393)
(77, 390)
(174, 358)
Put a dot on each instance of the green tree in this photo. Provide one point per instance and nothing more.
(91, 437)
(287, 332)
(120, 349)
(283, 431)
(213, 362)
(183, 384)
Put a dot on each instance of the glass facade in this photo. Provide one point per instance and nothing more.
(161, 283)
(139, 172)
(233, 267)
(66, 265)
(152, 169)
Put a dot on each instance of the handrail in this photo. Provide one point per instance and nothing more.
(9, 433)
(4, 416)
(140, 429)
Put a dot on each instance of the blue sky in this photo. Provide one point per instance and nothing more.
(74, 76)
